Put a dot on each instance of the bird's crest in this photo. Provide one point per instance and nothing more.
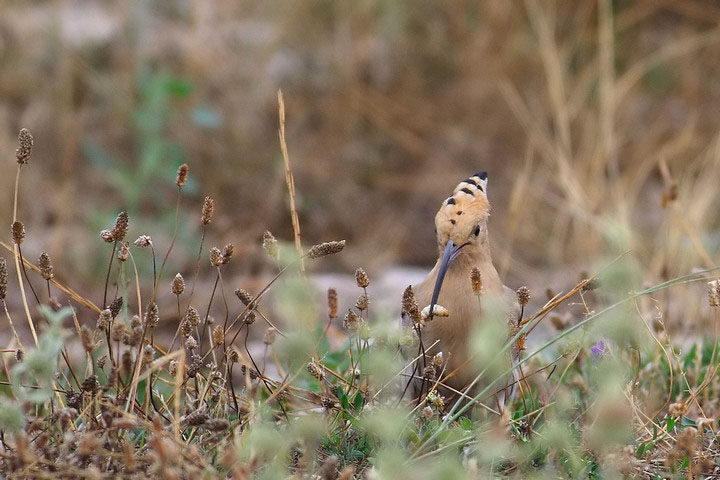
(460, 212)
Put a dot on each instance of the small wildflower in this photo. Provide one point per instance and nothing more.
(25, 146)
(476, 281)
(143, 241)
(218, 335)
(207, 210)
(270, 245)
(436, 400)
(182, 175)
(227, 253)
(410, 306)
(216, 257)
(270, 335)
(3, 278)
(191, 343)
(45, 266)
(244, 296)
(121, 227)
(332, 303)
(192, 316)
(362, 302)
(598, 349)
(115, 306)
(326, 248)
(152, 315)
(124, 252)
(315, 368)
(523, 295)
(178, 285)
(18, 232)
(361, 278)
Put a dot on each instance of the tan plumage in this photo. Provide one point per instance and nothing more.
(461, 226)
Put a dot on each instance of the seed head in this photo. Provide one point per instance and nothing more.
(438, 311)
(244, 296)
(476, 281)
(191, 343)
(429, 373)
(104, 320)
(107, 236)
(714, 293)
(102, 359)
(121, 226)
(270, 245)
(677, 409)
(523, 295)
(207, 210)
(90, 384)
(270, 335)
(3, 278)
(18, 232)
(185, 328)
(216, 257)
(148, 354)
(326, 248)
(46, 268)
(182, 175)
(437, 360)
(143, 241)
(227, 253)
(591, 284)
(410, 306)
(152, 315)
(172, 368)
(25, 146)
(427, 412)
(362, 302)
(332, 303)
(178, 285)
(351, 320)
(234, 356)
(361, 278)
(126, 362)
(192, 316)
(19, 354)
(217, 424)
(117, 332)
(436, 400)
(218, 335)
(135, 322)
(116, 306)
(250, 317)
(315, 368)
(124, 252)
(196, 418)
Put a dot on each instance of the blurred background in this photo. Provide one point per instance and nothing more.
(596, 121)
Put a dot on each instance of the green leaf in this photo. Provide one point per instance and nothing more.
(465, 423)
(669, 423)
(344, 401)
(358, 402)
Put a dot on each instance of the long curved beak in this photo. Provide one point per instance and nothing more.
(449, 254)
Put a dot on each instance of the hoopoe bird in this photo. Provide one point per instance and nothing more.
(452, 307)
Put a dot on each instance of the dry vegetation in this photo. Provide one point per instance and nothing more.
(596, 120)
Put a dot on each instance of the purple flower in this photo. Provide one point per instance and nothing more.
(597, 350)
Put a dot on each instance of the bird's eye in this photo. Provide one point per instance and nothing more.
(477, 230)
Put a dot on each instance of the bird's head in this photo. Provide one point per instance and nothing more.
(461, 222)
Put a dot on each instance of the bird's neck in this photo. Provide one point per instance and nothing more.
(477, 255)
